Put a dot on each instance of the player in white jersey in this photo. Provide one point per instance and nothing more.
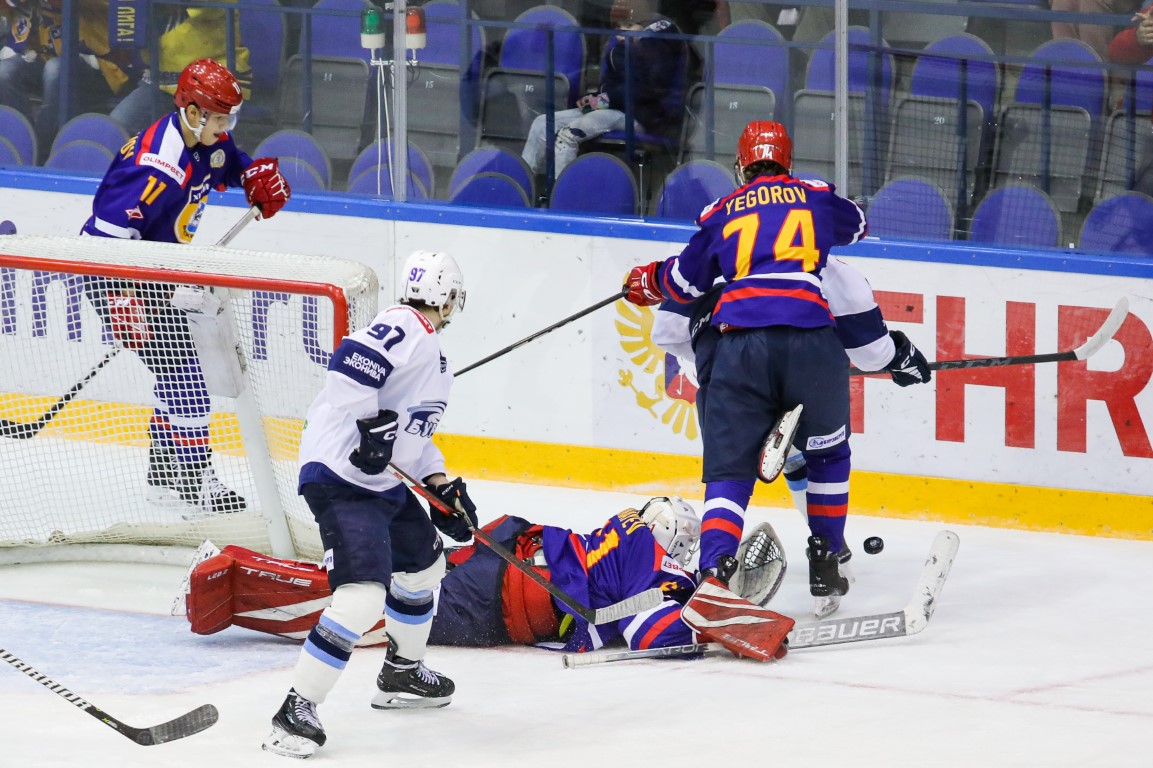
(386, 389)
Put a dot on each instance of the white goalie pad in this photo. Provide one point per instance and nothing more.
(761, 566)
(777, 444)
(218, 347)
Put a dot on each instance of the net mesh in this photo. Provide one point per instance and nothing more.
(118, 425)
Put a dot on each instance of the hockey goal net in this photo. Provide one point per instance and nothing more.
(105, 400)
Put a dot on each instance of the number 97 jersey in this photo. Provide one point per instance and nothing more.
(395, 363)
(770, 241)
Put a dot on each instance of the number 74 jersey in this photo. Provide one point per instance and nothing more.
(770, 241)
(395, 363)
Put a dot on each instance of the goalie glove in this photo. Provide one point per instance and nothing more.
(908, 365)
(377, 436)
(265, 187)
(200, 300)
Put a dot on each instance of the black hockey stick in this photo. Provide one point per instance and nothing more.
(1090, 347)
(852, 629)
(22, 430)
(631, 606)
(543, 331)
(187, 724)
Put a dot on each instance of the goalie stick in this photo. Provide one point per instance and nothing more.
(834, 631)
(630, 606)
(543, 331)
(1094, 343)
(197, 720)
(23, 430)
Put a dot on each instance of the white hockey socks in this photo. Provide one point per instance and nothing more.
(355, 608)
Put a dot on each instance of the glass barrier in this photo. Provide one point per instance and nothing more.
(1006, 123)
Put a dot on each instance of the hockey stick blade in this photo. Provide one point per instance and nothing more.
(630, 606)
(1094, 343)
(913, 619)
(197, 720)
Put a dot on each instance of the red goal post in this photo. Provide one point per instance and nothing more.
(77, 406)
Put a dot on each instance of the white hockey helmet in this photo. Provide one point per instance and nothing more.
(675, 526)
(434, 279)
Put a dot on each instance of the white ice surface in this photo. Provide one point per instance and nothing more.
(1038, 655)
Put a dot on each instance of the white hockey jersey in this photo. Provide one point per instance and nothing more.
(393, 364)
(859, 323)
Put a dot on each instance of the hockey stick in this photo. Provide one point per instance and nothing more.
(187, 724)
(543, 331)
(631, 606)
(1106, 332)
(909, 621)
(22, 430)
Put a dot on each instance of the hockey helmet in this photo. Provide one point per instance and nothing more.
(434, 279)
(764, 140)
(675, 526)
(210, 86)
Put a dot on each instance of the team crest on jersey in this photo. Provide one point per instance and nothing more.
(217, 159)
(21, 29)
(656, 379)
(424, 417)
(134, 213)
(188, 221)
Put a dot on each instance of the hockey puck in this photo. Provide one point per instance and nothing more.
(874, 544)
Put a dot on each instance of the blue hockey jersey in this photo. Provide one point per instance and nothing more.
(770, 241)
(156, 188)
(615, 562)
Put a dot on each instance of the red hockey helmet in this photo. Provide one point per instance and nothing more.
(764, 140)
(210, 86)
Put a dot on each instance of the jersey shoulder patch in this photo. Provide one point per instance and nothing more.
(161, 147)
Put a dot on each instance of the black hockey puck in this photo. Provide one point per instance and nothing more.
(874, 544)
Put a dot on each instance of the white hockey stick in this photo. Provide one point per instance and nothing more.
(913, 619)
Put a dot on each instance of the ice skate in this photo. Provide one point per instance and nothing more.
(163, 475)
(202, 490)
(296, 729)
(406, 684)
(827, 583)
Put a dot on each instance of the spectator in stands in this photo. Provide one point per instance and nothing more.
(1097, 36)
(189, 34)
(653, 62)
(1134, 45)
(30, 63)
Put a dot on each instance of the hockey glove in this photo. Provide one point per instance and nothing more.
(908, 365)
(265, 187)
(643, 286)
(377, 436)
(457, 527)
(201, 300)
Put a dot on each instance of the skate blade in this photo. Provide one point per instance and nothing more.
(281, 742)
(384, 700)
(826, 606)
(164, 497)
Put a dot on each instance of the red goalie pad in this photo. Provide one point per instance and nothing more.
(254, 591)
(719, 615)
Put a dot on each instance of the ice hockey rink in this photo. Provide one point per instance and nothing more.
(1037, 655)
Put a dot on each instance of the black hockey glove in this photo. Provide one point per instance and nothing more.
(908, 365)
(376, 438)
(455, 496)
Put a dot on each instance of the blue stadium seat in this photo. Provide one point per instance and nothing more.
(493, 160)
(303, 146)
(301, 175)
(94, 127)
(911, 208)
(16, 128)
(376, 180)
(380, 153)
(86, 157)
(692, 186)
(1120, 224)
(8, 153)
(1016, 215)
(490, 190)
(596, 182)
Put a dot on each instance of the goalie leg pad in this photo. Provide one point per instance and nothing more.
(777, 444)
(761, 566)
(719, 615)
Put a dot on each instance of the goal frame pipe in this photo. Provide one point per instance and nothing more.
(248, 416)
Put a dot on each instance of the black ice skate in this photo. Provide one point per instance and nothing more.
(296, 729)
(406, 684)
(826, 582)
(163, 475)
(202, 490)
